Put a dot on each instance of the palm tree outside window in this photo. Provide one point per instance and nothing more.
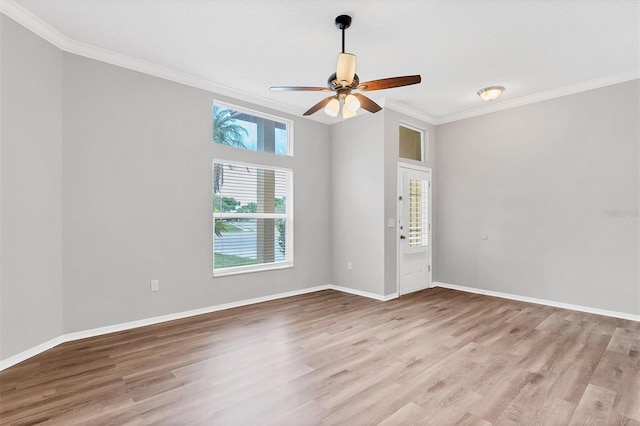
(252, 204)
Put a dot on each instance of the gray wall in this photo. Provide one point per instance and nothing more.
(137, 199)
(392, 120)
(357, 190)
(364, 160)
(554, 186)
(30, 190)
(105, 184)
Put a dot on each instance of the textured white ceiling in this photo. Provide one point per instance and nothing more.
(457, 46)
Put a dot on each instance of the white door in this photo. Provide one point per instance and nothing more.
(414, 229)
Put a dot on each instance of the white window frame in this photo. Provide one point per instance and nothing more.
(288, 216)
(288, 123)
(424, 142)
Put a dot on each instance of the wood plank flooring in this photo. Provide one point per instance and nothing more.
(434, 357)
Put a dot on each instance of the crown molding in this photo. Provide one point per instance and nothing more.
(514, 103)
(32, 23)
(407, 110)
(543, 96)
(25, 18)
(62, 42)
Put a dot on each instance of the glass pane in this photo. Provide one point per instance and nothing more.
(240, 242)
(248, 189)
(247, 131)
(418, 212)
(410, 143)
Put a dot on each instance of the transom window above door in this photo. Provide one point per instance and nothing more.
(411, 143)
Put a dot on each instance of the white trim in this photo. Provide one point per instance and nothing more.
(185, 314)
(288, 123)
(238, 215)
(34, 24)
(559, 92)
(543, 96)
(38, 349)
(391, 296)
(597, 311)
(251, 164)
(414, 167)
(407, 110)
(248, 269)
(24, 355)
(364, 293)
(424, 145)
(288, 216)
(148, 321)
(22, 16)
(426, 158)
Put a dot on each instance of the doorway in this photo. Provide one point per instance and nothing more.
(414, 228)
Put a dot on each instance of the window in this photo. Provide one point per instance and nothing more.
(253, 218)
(411, 143)
(251, 130)
(252, 204)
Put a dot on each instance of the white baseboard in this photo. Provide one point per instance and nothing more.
(579, 308)
(390, 296)
(185, 314)
(13, 360)
(363, 293)
(22, 356)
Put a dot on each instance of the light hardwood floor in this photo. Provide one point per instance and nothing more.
(434, 357)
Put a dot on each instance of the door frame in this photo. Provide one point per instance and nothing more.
(400, 191)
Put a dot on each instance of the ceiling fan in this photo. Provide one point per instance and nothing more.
(345, 80)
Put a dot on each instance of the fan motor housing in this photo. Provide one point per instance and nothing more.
(334, 84)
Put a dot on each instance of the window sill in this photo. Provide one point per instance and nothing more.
(252, 268)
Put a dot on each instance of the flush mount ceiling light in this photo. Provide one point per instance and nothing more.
(345, 80)
(490, 93)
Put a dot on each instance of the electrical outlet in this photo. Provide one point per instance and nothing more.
(155, 285)
(349, 266)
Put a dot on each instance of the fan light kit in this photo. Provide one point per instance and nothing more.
(345, 80)
(490, 93)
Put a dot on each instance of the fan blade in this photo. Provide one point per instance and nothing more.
(299, 89)
(367, 103)
(388, 83)
(319, 105)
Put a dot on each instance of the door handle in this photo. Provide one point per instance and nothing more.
(402, 237)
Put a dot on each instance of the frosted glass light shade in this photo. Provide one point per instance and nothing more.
(348, 114)
(332, 108)
(351, 103)
(490, 93)
(346, 68)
